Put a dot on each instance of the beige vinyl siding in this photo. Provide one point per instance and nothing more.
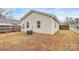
(74, 28)
(55, 26)
(46, 23)
(23, 25)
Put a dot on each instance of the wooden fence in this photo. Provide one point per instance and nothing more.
(9, 28)
(64, 27)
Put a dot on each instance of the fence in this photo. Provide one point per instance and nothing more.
(9, 28)
(64, 27)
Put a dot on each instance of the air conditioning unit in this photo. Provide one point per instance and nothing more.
(29, 32)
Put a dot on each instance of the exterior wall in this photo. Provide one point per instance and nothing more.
(55, 26)
(23, 29)
(45, 27)
(74, 27)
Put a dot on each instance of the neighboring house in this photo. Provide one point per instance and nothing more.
(5, 21)
(75, 25)
(39, 22)
(9, 25)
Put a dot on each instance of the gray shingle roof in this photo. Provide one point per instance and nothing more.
(9, 21)
(44, 13)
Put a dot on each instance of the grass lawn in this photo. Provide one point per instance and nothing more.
(17, 41)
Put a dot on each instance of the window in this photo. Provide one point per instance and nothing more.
(27, 24)
(38, 24)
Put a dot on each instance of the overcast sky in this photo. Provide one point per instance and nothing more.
(61, 13)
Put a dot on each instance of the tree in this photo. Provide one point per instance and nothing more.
(69, 20)
(1, 11)
(6, 13)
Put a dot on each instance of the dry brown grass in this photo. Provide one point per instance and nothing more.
(18, 41)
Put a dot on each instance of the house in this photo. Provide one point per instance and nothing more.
(9, 25)
(74, 26)
(39, 22)
(5, 21)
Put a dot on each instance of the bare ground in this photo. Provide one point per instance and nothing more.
(64, 40)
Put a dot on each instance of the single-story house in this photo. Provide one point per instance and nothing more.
(6, 21)
(39, 22)
(74, 26)
(9, 25)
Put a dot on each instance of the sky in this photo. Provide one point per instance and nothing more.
(61, 13)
